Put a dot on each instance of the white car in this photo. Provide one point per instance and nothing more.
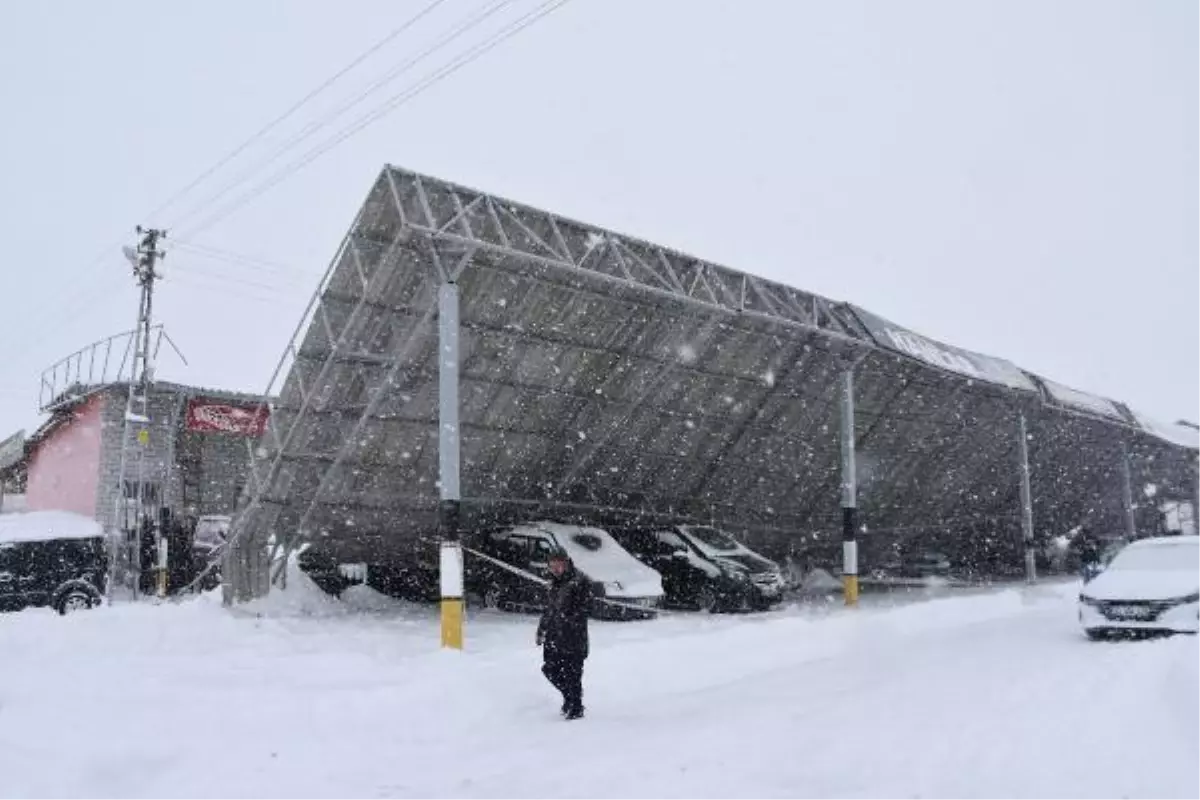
(1151, 585)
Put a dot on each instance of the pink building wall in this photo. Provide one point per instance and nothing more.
(64, 470)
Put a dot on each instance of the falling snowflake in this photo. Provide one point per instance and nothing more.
(687, 354)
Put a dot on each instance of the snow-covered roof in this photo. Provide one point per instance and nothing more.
(1172, 432)
(1083, 401)
(967, 363)
(44, 526)
(1165, 541)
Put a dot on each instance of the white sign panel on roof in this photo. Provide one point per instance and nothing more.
(1073, 398)
(944, 356)
(1172, 432)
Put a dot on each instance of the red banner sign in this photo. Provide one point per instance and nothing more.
(216, 416)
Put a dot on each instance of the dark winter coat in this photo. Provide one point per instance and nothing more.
(563, 629)
(1088, 548)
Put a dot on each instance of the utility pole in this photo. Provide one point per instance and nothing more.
(144, 259)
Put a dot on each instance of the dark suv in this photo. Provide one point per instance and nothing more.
(705, 568)
(67, 574)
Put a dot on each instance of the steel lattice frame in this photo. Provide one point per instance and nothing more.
(530, 278)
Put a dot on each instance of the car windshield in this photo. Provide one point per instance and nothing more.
(714, 539)
(750, 561)
(1159, 558)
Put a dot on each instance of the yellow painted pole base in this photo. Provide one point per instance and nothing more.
(162, 583)
(850, 589)
(452, 623)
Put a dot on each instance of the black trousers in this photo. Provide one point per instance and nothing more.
(565, 673)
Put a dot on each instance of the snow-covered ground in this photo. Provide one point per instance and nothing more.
(986, 695)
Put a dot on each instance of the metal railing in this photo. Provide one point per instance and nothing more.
(104, 361)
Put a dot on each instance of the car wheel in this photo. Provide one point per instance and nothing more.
(76, 600)
(707, 600)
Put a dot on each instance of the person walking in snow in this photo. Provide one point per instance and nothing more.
(563, 632)
(1088, 548)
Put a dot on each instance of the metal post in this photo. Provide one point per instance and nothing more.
(450, 560)
(1196, 499)
(1127, 494)
(163, 561)
(849, 494)
(1026, 503)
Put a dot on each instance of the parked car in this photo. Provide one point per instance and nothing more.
(1150, 585)
(917, 565)
(51, 558)
(622, 586)
(705, 568)
(212, 532)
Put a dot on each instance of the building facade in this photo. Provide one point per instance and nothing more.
(193, 460)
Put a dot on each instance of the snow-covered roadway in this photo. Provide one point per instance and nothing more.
(989, 695)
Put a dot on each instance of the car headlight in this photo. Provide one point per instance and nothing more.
(1087, 601)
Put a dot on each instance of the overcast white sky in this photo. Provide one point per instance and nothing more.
(1018, 177)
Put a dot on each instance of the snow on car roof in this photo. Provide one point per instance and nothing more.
(1165, 541)
(45, 526)
(607, 562)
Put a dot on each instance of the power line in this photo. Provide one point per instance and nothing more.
(232, 257)
(85, 303)
(88, 295)
(244, 291)
(476, 19)
(383, 110)
(225, 278)
(232, 154)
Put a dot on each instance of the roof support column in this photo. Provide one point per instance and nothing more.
(450, 560)
(1196, 496)
(849, 493)
(1127, 494)
(1026, 501)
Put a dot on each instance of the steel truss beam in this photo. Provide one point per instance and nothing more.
(452, 213)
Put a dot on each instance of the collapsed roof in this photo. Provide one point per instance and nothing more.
(603, 376)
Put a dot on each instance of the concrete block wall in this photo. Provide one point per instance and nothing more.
(158, 467)
(224, 459)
